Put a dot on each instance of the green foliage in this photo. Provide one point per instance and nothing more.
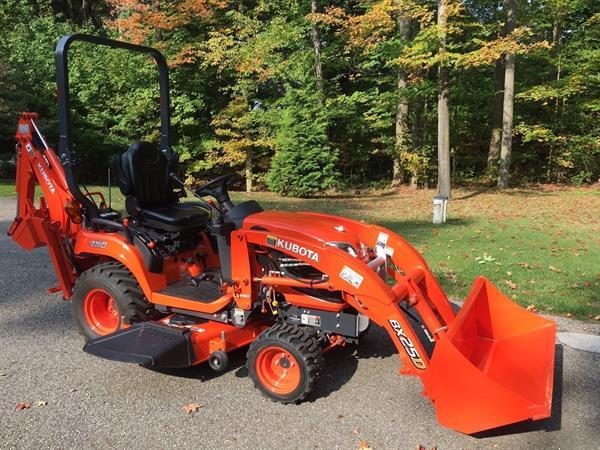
(304, 164)
(244, 91)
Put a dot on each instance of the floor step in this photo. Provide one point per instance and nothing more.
(205, 292)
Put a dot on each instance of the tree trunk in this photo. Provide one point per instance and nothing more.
(249, 170)
(416, 138)
(443, 186)
(158, 31)
(68, 9)
(494, 150)
(556, 41)
(316, 42)
(85, 9)
(403, 23)
(509, 102)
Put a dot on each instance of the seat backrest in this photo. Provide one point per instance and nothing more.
(143, 173)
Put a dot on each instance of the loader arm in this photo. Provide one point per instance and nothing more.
(492, 363)
(48, 222)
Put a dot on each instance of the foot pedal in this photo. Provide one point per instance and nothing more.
(149, 344)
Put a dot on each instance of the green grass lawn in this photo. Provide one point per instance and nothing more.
(541, 246)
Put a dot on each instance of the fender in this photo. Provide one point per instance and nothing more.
(115, 246)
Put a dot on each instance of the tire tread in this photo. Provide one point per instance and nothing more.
(302, 339)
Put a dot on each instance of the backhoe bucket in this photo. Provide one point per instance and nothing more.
(494, 366)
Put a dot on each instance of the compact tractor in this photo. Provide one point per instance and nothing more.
(171, 283)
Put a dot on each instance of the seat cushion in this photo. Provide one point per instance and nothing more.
(175, 217)
(143, 172)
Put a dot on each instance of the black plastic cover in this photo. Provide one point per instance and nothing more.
(239, 212)
(149, 344)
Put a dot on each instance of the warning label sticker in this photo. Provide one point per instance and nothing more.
(307, 319)
(381, 244)
(351, 277)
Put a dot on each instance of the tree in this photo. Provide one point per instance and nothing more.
(402, 135)
(443, 186)
(509, 100)
(316, 42)
(497, 104)
(304, 164)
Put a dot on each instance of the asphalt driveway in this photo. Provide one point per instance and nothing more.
(87, 402)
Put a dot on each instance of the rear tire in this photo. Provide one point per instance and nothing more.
(284, 362)
(107, 298)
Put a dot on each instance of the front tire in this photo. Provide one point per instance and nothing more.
(284, 362)
(107, 298)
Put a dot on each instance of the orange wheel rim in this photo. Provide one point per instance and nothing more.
(278, 370)
(101, 312)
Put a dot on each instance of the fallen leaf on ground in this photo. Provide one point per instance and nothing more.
(451, 277)
(532, 308)
(511, 284)
(364, 445)
(569, 315)
(554, 269)
(191, 408)
(22, 405)
(355, 431)
(587, 283)
(597, 317)
(41, 403)
(509, 273)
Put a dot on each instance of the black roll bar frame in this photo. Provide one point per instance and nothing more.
(65, 142)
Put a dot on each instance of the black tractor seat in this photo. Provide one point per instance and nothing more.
(177, 217)
(144, 177)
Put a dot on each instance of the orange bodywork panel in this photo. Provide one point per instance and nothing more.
(116, 247)
(209, 337)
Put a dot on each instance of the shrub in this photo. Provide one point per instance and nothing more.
(304, 164)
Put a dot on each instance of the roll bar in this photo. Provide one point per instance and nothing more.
(66, 154)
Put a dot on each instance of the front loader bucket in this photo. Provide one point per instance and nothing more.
(494, 366)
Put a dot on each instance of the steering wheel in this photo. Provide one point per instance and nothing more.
(217, 188)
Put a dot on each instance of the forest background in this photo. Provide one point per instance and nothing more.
(309, 96)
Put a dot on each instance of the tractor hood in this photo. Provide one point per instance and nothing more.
(319, 228)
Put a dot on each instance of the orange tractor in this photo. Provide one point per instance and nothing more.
(172, 284)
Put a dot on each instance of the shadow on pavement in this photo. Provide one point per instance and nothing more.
(202, 372)
(339, 366)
